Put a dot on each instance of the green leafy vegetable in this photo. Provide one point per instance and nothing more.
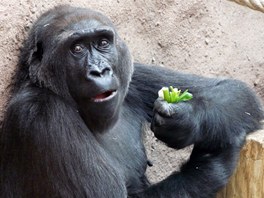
(173, 95)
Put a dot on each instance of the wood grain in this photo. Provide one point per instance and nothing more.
(248, 179)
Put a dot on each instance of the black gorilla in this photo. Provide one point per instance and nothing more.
(73, 123)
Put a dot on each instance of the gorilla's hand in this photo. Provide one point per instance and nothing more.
(175, 123)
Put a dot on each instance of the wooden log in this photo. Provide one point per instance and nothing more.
(248, 179)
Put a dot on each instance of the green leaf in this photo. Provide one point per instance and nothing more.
(173, 95)
(185, 96)
(166, 95)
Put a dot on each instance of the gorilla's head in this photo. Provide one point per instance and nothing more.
(77, 54)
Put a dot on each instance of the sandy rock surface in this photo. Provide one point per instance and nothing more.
(211, 38)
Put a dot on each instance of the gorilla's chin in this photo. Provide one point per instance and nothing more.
(102, 112)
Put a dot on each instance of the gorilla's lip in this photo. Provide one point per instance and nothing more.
(105, 96)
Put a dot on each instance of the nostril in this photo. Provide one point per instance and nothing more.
(106, 71)
(95, 73)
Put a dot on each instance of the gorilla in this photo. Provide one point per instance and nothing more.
(72, 127)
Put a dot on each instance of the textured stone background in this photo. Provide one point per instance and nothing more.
(212, 38)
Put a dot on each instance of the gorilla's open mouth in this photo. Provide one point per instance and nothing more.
(105, 96)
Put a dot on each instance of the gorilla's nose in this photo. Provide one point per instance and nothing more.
(99, 72)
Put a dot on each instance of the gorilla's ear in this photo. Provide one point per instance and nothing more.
(35, 55)
(35, 49)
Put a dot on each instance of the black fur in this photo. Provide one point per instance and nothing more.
(55, 142)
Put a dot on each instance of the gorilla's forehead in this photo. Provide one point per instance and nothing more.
(82, 19)
(86, 31)
(86, 24)
(74, 25)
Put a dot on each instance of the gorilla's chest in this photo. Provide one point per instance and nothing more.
(125, 147)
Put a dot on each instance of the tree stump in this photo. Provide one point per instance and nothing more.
(248, 179)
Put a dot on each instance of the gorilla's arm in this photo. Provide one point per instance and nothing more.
(221, 109)
(216, 120)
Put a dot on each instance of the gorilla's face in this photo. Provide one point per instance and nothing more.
(96, 64)
(92, 75)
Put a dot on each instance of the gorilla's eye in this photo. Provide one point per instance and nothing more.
(77, 48)
(103, 43)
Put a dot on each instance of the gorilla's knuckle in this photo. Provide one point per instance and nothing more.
(159, 120)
